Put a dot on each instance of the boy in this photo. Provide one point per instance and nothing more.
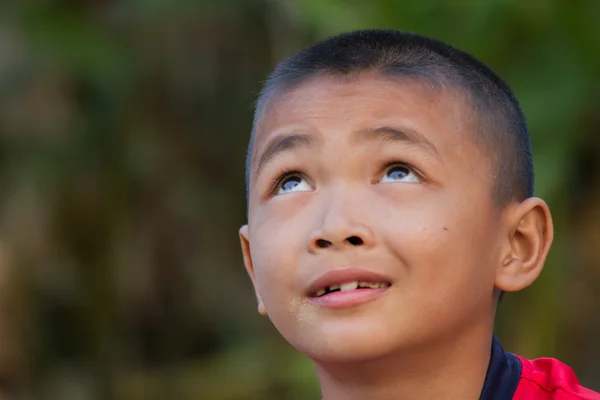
(390, 205)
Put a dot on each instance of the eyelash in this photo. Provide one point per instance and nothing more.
(287, 172)
(284, 174)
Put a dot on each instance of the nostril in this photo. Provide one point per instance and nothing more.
(355, 240)
(323, 244)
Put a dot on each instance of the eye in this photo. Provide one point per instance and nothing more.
(400, 173)
(292, 183)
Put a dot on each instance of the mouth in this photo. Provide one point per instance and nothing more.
(350, 286)
(347, 287)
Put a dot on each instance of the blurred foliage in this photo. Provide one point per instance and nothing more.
(123, 129)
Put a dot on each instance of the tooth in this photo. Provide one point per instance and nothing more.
(320, 293)
(383, 285)
(333, 287)
(344, 287)
(373, 285)
(363, 284)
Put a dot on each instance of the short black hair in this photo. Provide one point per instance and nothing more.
(501, 125)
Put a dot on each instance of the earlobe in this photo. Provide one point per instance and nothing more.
(530, 235)
(261, 307)
(245, 243)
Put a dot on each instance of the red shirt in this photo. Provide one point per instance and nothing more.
(511, 377)
(549, 379)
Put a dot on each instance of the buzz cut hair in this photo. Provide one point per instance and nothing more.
(500, 127)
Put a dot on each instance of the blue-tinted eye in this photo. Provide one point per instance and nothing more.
(293, 183)
(400, 173)
(290, 183)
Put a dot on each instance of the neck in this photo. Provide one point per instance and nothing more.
(454, 369)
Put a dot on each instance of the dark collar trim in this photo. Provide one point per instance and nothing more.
(503, 374)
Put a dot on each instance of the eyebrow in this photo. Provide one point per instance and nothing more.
(282, 144)
(391, 134)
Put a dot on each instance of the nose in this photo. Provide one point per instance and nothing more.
(343, 225)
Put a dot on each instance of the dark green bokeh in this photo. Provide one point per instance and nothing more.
(123, 130)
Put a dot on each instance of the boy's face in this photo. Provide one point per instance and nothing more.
(379, 180)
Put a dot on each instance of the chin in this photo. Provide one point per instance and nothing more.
(348, 344)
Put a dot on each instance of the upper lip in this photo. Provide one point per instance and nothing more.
(343, 275)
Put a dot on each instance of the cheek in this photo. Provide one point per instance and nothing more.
(277, 259)
(444, 244)
(277, 244)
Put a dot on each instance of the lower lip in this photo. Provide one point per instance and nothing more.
(351, 298)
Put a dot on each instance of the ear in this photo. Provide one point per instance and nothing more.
(530, 235)
(245, 242)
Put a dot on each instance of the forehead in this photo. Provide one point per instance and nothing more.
(340, 105)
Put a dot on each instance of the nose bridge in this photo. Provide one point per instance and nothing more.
(343, 219)
(340, 205)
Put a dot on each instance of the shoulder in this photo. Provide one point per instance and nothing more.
(550, 379)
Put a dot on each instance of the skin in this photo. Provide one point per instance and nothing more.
(436, 233)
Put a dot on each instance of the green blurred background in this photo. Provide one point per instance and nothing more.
(123, 128)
